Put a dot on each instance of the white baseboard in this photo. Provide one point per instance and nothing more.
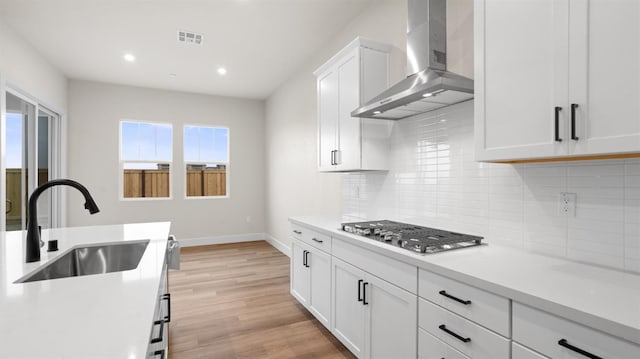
(286, 250)
(234, 238)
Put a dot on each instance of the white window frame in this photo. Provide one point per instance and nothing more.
(227, 164)
(121, 163)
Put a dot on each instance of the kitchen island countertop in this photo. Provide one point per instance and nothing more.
(93, 316)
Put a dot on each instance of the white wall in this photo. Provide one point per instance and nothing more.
(436, 182)
(95, 110)
(294, 186)
(24, 68)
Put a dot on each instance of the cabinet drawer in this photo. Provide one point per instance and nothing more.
(543, 332)
(311, 237)
(487, 309)
(394, 271)
(430, 347)
(520, 352)
(480, 343)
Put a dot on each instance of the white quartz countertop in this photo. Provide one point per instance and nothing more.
(601, 298)
(94, 316)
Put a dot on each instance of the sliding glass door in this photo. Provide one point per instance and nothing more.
(31, 148)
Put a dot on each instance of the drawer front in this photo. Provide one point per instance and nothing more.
(311, 237)
(394, 271)
(543, 332)
(482, 343)
(430, 347)
(487, 309)
(520, 352)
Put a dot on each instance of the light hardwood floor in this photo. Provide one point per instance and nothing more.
(233, 301)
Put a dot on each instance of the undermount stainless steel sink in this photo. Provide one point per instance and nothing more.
(91, 259)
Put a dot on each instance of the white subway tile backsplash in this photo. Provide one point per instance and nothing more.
(435, 181)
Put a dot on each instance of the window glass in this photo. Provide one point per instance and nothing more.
(206, 156)
(145, 159)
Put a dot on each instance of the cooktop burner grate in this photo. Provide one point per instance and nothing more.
(412, 237)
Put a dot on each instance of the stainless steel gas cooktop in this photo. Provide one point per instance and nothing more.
(411, 237)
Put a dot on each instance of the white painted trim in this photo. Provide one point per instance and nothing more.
(233, 238)
(285, 249)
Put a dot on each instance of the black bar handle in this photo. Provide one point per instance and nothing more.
(360, 290)
(297, 232)
(564, 343)
(160, 335)
(573, 122)
(306, 256)
(444, 293)
(557, 124)
(364, 293)
(161, 353)
(317, 240)
(167, 297)
(444, 329)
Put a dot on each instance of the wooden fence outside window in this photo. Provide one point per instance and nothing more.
(155, 183)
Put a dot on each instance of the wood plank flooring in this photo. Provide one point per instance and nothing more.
(233, 301)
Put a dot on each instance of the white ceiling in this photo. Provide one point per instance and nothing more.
(260, 42)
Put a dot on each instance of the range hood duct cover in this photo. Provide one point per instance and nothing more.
(428, 86)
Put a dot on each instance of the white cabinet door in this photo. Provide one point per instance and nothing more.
(521, 67)
(520, 352)
(320, 289)
(328, 99)
(605, 76)
(299, 272)
(349, 150)
(392, 327)
(348, 309)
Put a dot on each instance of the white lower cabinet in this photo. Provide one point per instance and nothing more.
(520, 352)
(311, 279)
(559, 338)
(465, 336)
(430, 347)
(372, 317)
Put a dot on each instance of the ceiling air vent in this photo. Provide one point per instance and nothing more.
(189, 37)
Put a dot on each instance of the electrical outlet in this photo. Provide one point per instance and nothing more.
(567, 204)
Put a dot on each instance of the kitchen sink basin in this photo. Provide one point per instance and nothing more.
(91, 259)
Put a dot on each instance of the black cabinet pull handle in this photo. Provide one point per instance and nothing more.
(444, 293)
(557, 124)
(364, 293)
(573, 122)
(360, 290)
(564, 343)
(317, 240)
(306, 256)
(160, 335)
(161, 353)
(167, 297)
(297, 232)
(444, 329)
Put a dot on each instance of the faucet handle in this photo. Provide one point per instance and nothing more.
(40, 235)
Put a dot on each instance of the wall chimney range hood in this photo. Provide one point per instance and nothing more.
(428, 86)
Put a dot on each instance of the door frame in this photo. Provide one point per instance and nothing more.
(57, 142)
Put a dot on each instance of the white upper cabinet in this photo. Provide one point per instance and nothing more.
(556, 78)
(356, 74)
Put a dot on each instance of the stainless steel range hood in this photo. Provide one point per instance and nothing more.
(428, 86)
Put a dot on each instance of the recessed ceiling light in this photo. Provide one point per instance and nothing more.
(129, 57)
(222, 71)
